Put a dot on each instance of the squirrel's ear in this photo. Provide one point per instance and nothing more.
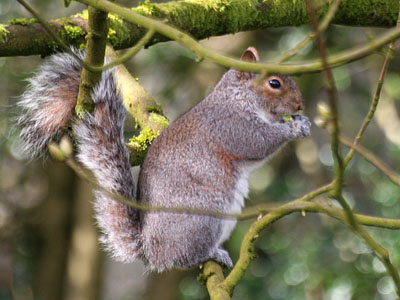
(250, 55)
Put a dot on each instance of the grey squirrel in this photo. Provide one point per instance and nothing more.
(201, 161)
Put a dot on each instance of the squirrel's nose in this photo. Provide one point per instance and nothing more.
(300, 106)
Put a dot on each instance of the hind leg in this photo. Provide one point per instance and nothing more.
(191, 241)
(221, 256)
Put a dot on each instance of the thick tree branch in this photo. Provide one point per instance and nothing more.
(199, 18)
(202, 51)
(32, 39)
(138, 102)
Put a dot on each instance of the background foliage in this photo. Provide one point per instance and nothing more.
(298, 257)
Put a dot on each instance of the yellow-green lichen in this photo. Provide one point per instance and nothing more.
(3, 33)
(33, 20)
(83, 15)
(22, 22)
(74, 32)
(143, 140)
(112, 36)
(138, 145)
(159, 119)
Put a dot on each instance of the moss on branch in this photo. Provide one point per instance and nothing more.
(336, 60)
(199, 18)
(31, 38)
(213, 276)
(144, 109)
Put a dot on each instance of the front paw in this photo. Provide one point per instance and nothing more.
(300, 126)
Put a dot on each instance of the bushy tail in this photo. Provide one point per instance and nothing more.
(48, 107)
(48, 103)
(102, 150)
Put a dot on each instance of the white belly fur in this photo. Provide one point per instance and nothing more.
(240, 192)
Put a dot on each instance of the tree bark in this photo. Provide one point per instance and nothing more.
(84, 265)
(54, 221)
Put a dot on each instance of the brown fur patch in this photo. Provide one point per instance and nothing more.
(227, 161)
(61, 109)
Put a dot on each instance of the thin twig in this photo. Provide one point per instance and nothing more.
(321, 190)
(143, 207)
(131, 52)
(380, 251)
(332, 96)
(369, 156)
(54, 36)
(337, 213)
(301, 204)
(122, 59)
(321, 28)
(373, 105)
(247, 247)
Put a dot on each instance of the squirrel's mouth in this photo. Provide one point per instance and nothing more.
(278, 115)
(281, 116)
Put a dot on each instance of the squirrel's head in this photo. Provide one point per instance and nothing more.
(279, 94)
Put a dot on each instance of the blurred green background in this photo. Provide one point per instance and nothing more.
(48, 246)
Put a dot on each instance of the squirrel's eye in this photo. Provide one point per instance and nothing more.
(274, 83)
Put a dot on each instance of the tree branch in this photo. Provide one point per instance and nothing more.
(374, 103)
(322, 27)
(96, 49)
(332, 96)
(202, 51)
(381, 252)
(247, 247)
(214, 277)
(63, 152)
(138, 102)
(199, 18)
(375, 161)
(212, 274)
